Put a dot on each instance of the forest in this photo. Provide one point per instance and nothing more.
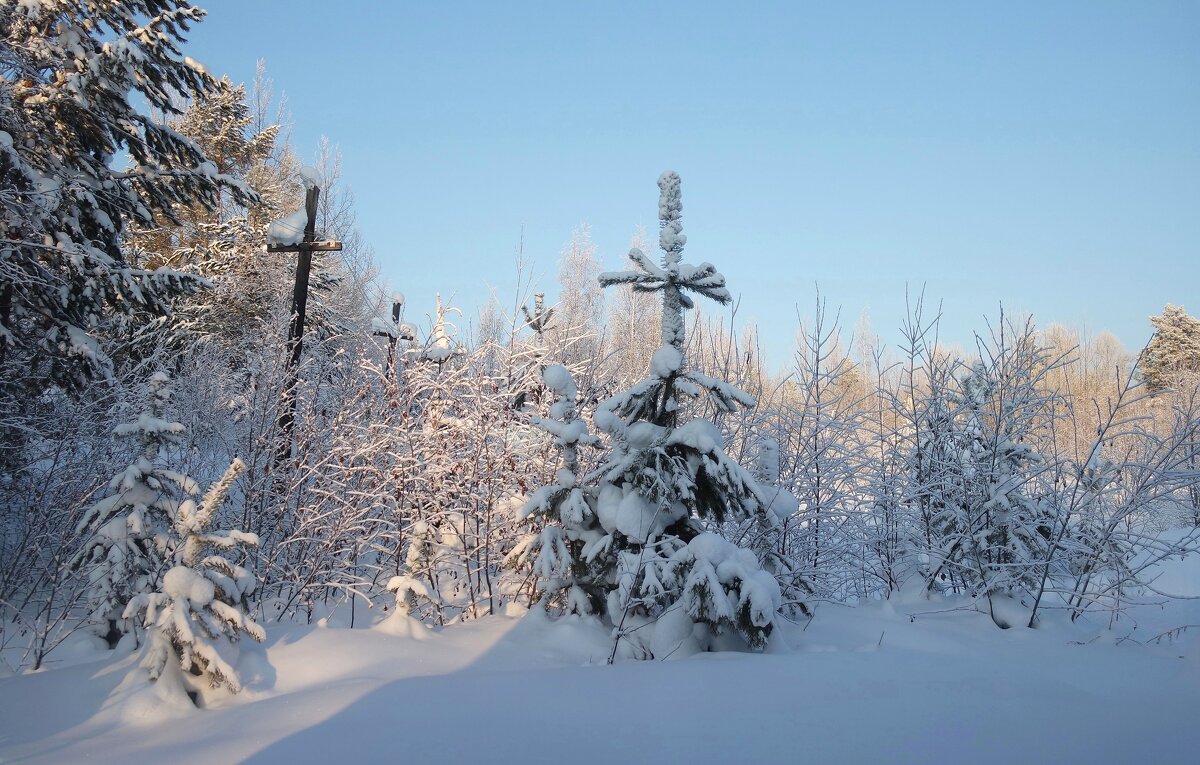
(198, 449)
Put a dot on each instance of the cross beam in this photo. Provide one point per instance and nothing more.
(329, 245)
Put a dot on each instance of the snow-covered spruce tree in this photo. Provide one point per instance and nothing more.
(199, 613)
(768, 532)
(128, 532)
(566, 508)
(1173, 351)
(671, 586)
(68, 76)
(419, 582)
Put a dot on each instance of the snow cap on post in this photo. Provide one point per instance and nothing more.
(310, 176)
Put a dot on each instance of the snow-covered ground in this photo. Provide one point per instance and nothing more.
(901, 682)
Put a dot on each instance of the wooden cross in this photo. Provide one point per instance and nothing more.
(305, 248)
(395, 332)
(539, 319)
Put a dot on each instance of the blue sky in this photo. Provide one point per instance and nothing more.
(1044, 155)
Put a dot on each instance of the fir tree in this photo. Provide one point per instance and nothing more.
(128, 532)
(666, 478)
(1173, 351)
(200, 611)
(71, 72)
(566, 508)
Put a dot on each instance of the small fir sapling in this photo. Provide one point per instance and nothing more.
(128, 532)
(565, 507)
(199, 613)
(767, 532)
(420, 562)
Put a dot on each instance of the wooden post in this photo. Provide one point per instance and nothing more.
(305, 249)
(397, 332)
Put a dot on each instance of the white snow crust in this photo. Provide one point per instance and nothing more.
(905, 681)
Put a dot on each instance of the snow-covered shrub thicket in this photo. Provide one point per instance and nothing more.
(819, 425)
(995, 523)
(474, 457)
(1127, 505)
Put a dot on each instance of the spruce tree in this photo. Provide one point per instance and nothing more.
(1173, 351)
(128, 532)
(200, 610)
(72, 74)
(566, 508)
(671, 585)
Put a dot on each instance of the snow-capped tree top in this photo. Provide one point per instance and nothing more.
(151, 426)
(1174, 349)
(670, 213)
(563, 423)
(766, 468)
(442, 345)
(674, 276)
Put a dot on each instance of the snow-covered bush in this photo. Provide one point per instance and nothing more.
(995, 529)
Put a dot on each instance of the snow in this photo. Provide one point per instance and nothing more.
(288, 231)
(883, 683)
(310, 176)
(559, 380)
(381, 327)
(667, 360)
(182, 583)
(636, 518)
(195, 65)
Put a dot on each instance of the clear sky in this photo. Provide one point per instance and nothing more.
(1045, 155)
